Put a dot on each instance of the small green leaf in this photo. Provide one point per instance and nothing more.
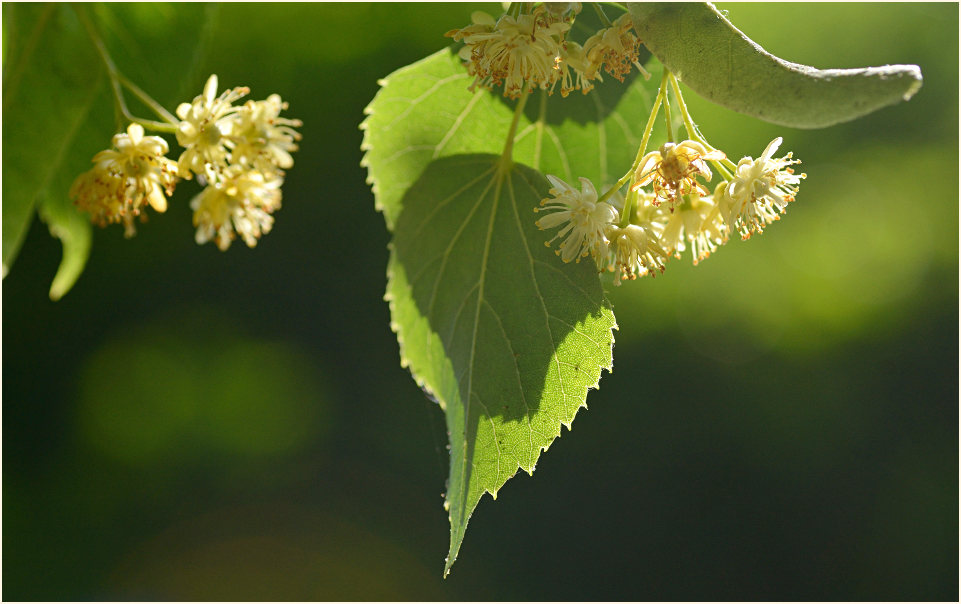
(75, 233)
(506, 337)
(716, 60)
(424, 111)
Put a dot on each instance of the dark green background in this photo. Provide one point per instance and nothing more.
(782, 421)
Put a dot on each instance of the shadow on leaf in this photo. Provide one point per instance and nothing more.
(503, 334)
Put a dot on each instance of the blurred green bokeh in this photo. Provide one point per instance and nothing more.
(781, 423)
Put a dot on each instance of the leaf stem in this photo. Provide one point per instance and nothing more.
(506, 157)
(117, 79)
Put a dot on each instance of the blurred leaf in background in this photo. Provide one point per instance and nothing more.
(59, 112)
(782, 424)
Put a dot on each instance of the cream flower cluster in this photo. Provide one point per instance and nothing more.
(677, 214)
(532, 49)
(238, 152)
(124, 179)
(241, 151)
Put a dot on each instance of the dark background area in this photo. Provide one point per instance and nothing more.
(781, 424)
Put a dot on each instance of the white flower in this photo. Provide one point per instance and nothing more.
(636, 252)
(697, 222)
(583, 220)
(672, 170)
(125, 178)
(615, 48)
(100, 193)
(513, 50)
(242, 203)
(574, 59)
(760, 191)
(205, 124)
(261, 138)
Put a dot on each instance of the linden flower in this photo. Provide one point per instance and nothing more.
(615, 48)
(261, 138)
(123, 179)
(140, 161)
(583, 218)
(636, 252)
(240, 204)
(672, 170)
(100, 193)
(513, 50)
(697, 222)
(761, 190)
(573, 58)
(205, 124)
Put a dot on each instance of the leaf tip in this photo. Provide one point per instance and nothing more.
(913, 72)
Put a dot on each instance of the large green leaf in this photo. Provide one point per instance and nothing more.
(506, 337)
(723, 65)
(424, 111)
(58, 111)
(419, 127)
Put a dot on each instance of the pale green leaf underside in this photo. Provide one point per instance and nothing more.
(491, 323)
(723, 65)
(425, 111)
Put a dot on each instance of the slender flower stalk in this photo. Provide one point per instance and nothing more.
(645, 138)
(724, 165)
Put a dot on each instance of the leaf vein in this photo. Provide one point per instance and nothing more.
(457, 122)
(540, 297)
(412, 103)
(520, 386)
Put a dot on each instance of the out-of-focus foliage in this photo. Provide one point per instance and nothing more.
(782, 423)
(59, 112)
